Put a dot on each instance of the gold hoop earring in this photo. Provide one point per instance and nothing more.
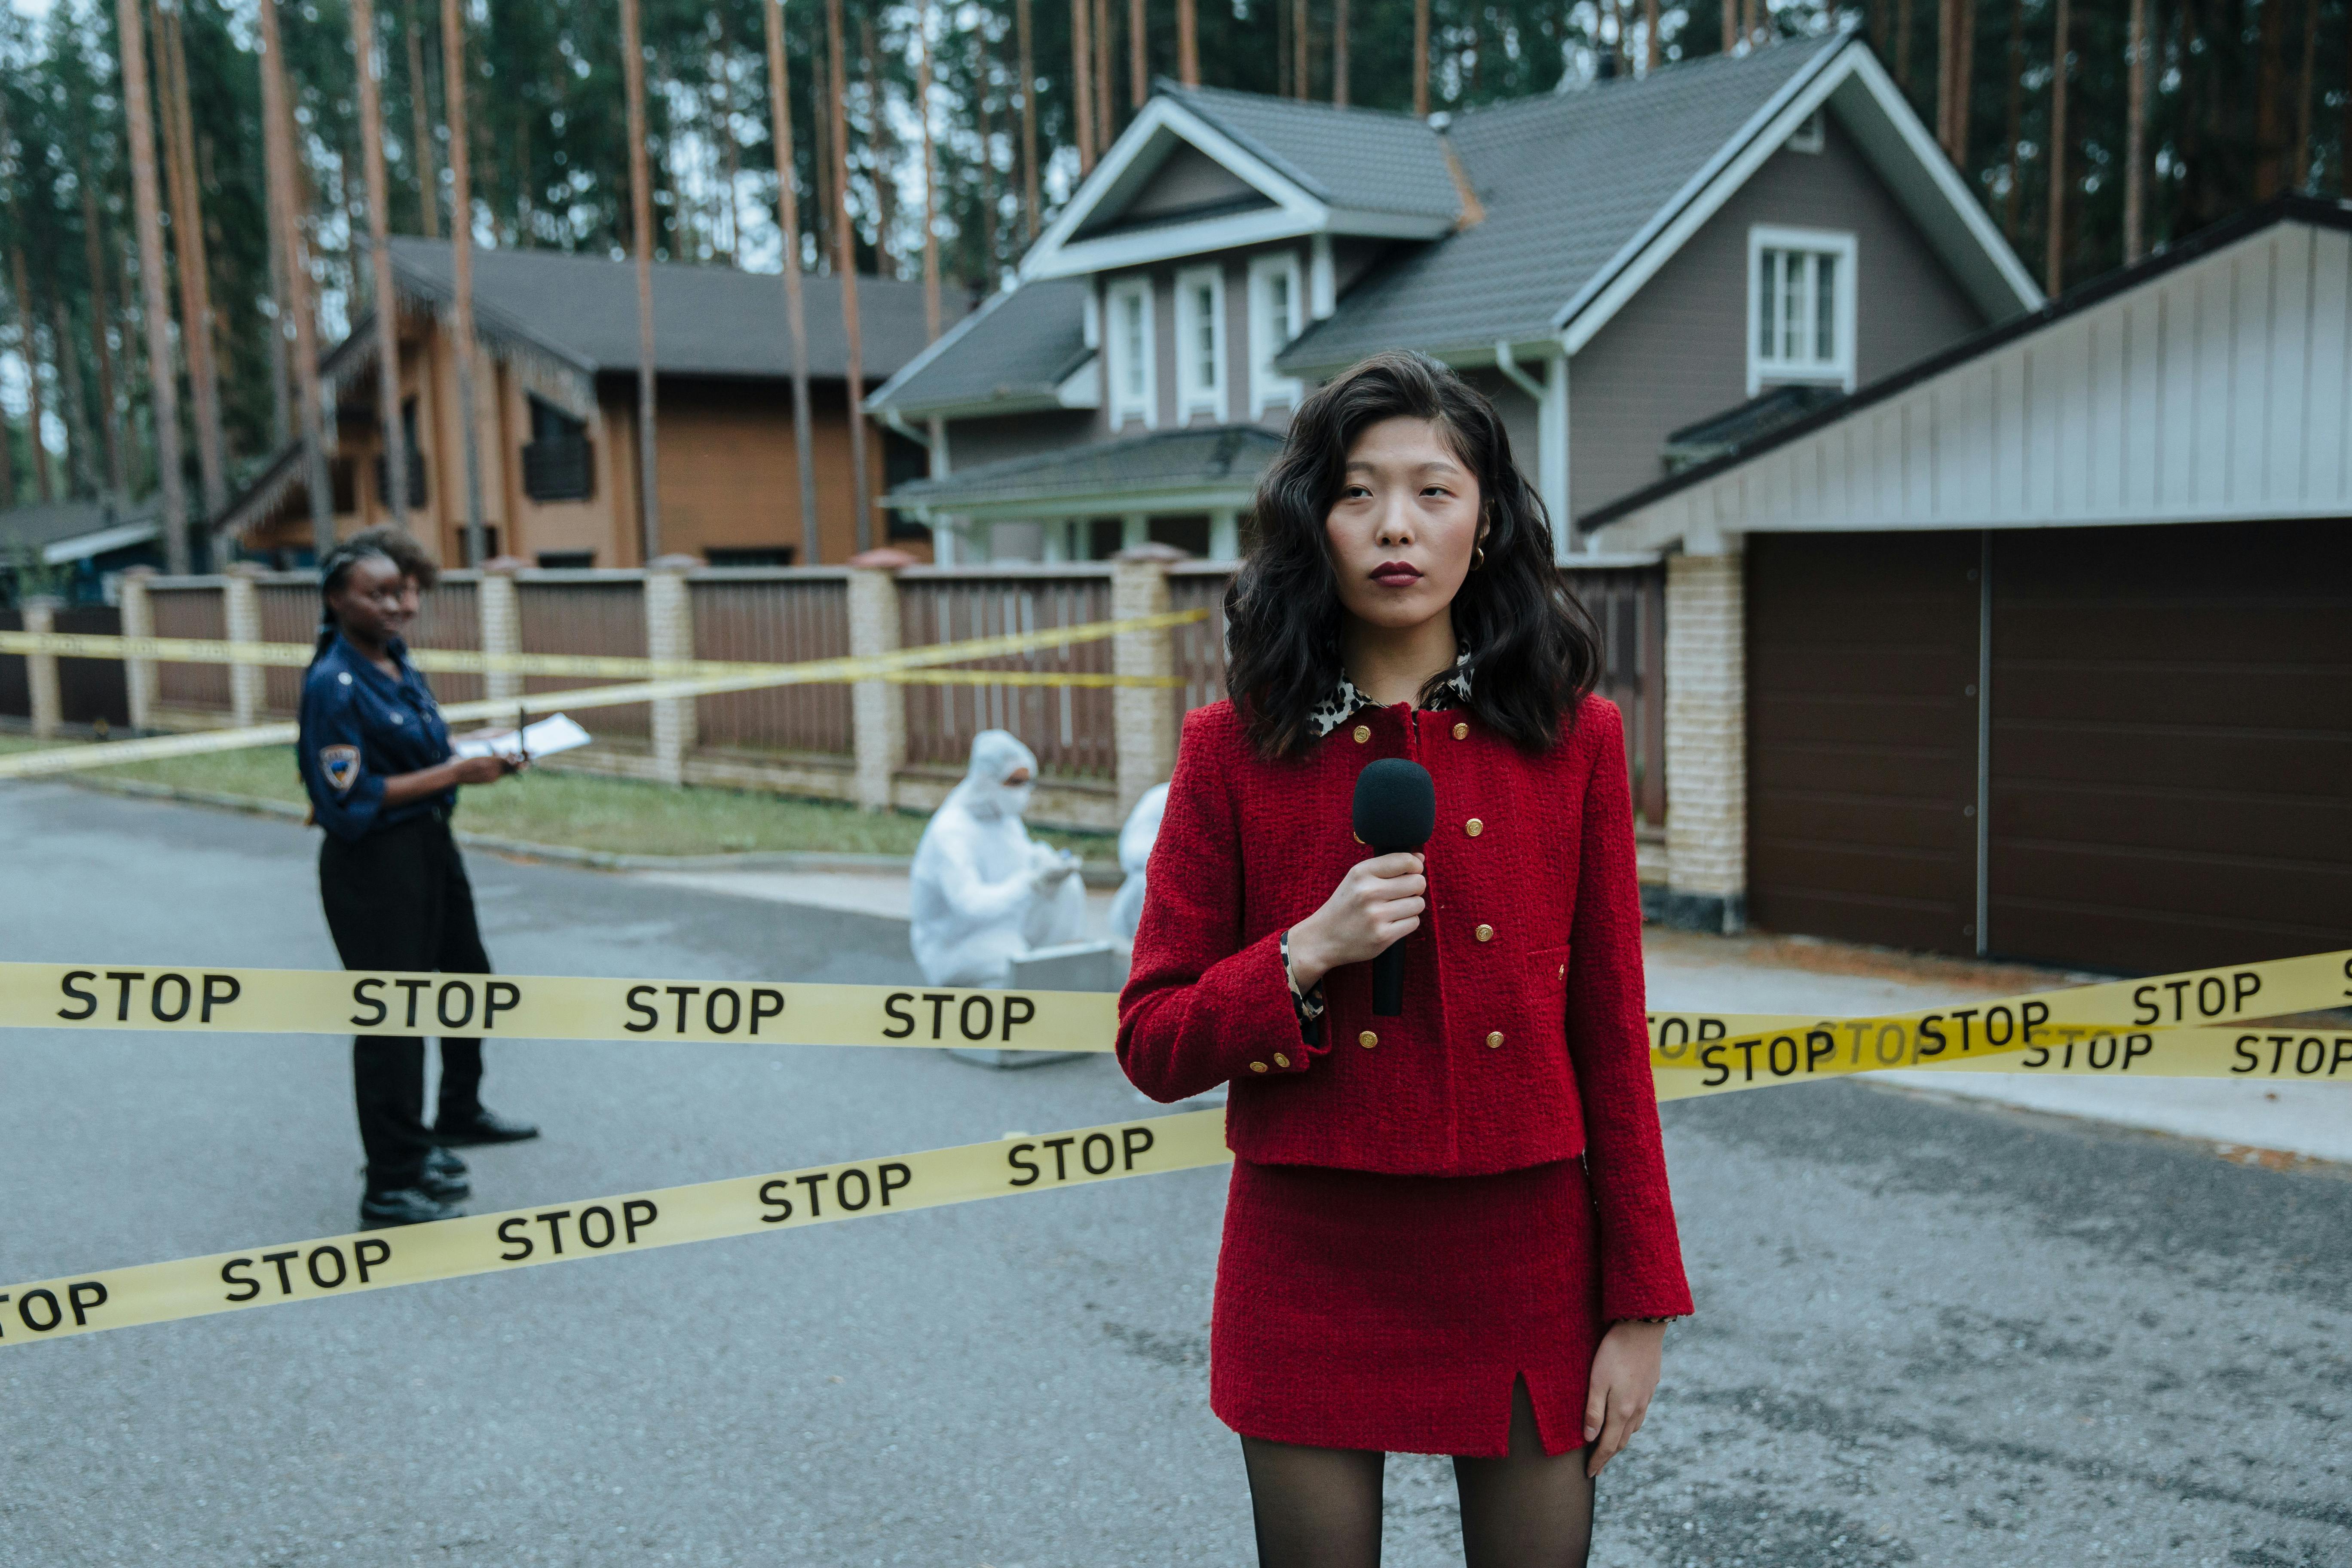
(1477, 556)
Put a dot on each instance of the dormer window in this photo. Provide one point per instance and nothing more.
(1799, 307)
(1201, 341)
(1277, 314)
(1127, 351)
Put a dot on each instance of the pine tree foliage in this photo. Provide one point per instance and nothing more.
(2245, 99)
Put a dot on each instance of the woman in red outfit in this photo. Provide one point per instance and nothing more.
(1448, 1231)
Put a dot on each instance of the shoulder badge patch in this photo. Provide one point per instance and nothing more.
(341, 767)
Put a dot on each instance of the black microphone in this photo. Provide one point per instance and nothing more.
(1396, 809)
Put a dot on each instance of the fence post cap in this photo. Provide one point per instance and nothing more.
(505, 565)
(245, 569)
(884, 558)
(675, 563)
(1153, 550)
(42, 602)
(139, 572)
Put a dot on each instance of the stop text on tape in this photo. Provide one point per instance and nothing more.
(612, 1226)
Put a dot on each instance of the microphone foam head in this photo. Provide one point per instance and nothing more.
(1396, 805)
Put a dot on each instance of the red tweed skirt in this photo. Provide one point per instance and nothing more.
(1362, 1311)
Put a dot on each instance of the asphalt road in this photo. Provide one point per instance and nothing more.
(1927, 1333)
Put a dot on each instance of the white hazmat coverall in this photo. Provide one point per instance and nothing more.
(1135, 842)
(984, 892)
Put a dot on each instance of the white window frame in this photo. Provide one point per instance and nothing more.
(1267, 386)
(1118, 353)
(1838, 368)
(1194, 395)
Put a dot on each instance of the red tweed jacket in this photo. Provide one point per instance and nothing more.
(1522, 1039)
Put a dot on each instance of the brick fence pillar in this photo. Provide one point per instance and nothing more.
(139, 674)
(241, 617)
(1706, 744)
(669, 637)
(1143, 719)
(877, 709)
(500, 617)
(41, 668)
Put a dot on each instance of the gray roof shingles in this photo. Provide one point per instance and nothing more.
(1566, 181)
(1161, 461)
(707, 320)
(1368, 159)
(1018, 348)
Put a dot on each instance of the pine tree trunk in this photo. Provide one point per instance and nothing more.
(788, 217)
(845, 266)
(1654, 47)
(199, 341)
(1138, 62)
(641, 230)
(73, 394)
(429, 183)
(1339, 52)
(1903, 25)
(1188, 41)
(931, 179)
(1302, 75)
(2054, 264)
(1106, 116)
(118, 476)
(278, 132)
(881, 157)
(2136, 137)
(981, 72)
(1082, 98)
(171, 498)
(1421, 56)
(387, 297)
(1029, 204)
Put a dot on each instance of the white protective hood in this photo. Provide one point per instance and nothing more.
(977, 905)
(1135, 842)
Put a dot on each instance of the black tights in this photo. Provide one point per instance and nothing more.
(1320, 1508)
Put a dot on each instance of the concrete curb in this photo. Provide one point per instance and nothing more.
(1096, 873)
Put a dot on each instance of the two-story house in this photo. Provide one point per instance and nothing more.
(1636, 271)
(555, 403)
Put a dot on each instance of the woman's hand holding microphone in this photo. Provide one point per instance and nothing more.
(1379, 900)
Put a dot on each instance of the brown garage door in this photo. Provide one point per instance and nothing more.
(1861, 736)
(2171, 745)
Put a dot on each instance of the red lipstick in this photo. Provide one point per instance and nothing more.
(1396, 573)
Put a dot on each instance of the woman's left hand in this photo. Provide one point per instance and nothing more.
(1625, 1376)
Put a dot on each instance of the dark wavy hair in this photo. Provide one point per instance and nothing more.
(1535, 650)
(383, 542)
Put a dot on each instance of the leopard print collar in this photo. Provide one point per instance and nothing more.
(1338, 708)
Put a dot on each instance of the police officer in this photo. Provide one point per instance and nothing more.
(374, 755)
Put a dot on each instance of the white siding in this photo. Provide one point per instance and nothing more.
(2219, 389)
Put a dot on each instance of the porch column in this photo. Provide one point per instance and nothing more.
(877, 709)
(669, 637)
(241, 619)
(1224, 535)
(1134, 530)
(1143, 718)
(500, 612)
(1551, 456)
(1706, 743)
(41, 668)
(139, 674)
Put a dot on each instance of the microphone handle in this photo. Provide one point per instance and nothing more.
(1388, 980)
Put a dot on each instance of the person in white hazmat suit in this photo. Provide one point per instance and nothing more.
(1135, 842)
(985, 893)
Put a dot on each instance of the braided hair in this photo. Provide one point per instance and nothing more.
(332, 571)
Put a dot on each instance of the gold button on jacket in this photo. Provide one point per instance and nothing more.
(1484, 933)
(1493, 1040)
(1362, 732)
(1368, 1039)
(1280, 1060)
(1474, 827)
(1461, 732)
(1257, 1066)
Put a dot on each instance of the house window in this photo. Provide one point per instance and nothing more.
(748, 556)
(1133, 373)
(1799, 307)
(1276, 317)
(1200, 340)
(559, 463)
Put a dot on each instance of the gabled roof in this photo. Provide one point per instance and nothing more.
(707, 320)
(1368, 158)
(1214, 465)
(74, 530)
(1012, 354)
(2194, 412)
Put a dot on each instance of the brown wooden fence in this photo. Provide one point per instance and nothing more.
(774, 617)
(1069, 728)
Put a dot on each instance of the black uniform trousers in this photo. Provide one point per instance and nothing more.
(398, 899)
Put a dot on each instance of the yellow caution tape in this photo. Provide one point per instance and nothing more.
(469, 661)
(193, 999)
(1797, 1051)
(581, 1230)
(746, 678)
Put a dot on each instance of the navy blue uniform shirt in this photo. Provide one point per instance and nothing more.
(361, 727)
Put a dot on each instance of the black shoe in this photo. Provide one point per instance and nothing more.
(444, 1177)
(480, 1126)
(403, 1205)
